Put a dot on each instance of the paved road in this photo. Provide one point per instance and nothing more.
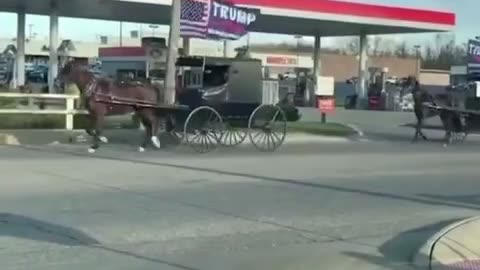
(356, 205)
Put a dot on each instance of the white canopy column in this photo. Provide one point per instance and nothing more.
(310, 98)
(53, 61)
(362, 72)
(20, 56)
(173, 40)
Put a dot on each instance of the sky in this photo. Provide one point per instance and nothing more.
(89, 30)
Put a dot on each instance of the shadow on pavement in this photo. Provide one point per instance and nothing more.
(473, 199)
(398, 252)
(33, 229)
(425, 127)
(37, 230)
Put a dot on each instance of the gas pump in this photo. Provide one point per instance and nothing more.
(376, 88)
(302, 79)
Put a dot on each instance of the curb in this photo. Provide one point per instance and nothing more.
(423, 259)
(356, 129)
(301, 138)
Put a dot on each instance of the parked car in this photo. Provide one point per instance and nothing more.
(402, 81)
(393, 80)
(407, 104)
(38, 74)
(4, 72)
(352, 80)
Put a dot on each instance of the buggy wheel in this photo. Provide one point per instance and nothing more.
(233, 136)
(203, 129)
(267, 127)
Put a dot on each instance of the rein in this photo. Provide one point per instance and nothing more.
(92, 91)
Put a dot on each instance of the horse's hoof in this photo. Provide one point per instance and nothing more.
(141, 149)
(91, 150)
(156, 142)
(103, 139)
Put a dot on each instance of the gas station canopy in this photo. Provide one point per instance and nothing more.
(299, 17)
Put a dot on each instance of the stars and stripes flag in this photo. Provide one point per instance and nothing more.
(194, 18)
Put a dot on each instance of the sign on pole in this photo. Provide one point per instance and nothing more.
(325, 86)
(473, 57)
(156, 52)
(325, 93)
(326, 105)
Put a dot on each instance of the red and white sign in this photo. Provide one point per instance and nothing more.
(326, 104)
(281, 60)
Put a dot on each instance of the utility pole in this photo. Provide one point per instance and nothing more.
(417, 68)
(298, 38)
(173, 40)
(30, 31)
(121, 34)
(225, 48)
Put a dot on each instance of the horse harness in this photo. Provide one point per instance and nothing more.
(92, 91)
(91, 88)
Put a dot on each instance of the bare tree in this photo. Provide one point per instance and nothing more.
(353, 45)
(445, 55)
(401, 50)
(388, 47)
(377, 49)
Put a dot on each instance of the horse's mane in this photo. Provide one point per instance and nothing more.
(105, 82)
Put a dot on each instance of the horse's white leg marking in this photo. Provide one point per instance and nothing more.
(155, 141)
(103, 139)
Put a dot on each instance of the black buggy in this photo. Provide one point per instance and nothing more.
(228, 101)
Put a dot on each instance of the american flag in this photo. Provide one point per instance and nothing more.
(194, 18)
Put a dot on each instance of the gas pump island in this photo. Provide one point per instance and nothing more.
(376, 95)
(379, 97)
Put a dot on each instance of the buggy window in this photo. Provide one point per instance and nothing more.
(215, 76)
(192, 78)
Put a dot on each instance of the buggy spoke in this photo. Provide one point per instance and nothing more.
(207, 123)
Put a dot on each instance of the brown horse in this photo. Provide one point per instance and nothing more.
(104, 97)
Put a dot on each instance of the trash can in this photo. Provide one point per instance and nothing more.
(350, 102)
